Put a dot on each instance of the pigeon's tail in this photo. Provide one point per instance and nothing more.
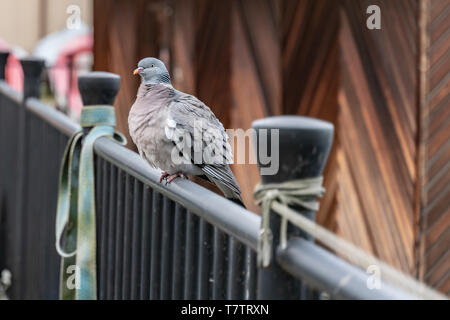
(223, 178)
(230, 194)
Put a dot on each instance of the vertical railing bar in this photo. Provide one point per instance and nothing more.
(128, 228)
(211, 250)
(190, 266)
(19, 235)
(54, 270)
(118, 272)
(219, 265)
(178, 252)
(52, 258)
(166, 249)
(98, 215)
(147, 205)
(11, 142)
(250, 274)
(235, 271)
(106, 216)
(155, 261)
(136, 241)
(15, 216)
(32, 239)
(110, 251)
(46, 228)
(8, 184)
(24, 232)
(204, 261)
(37, 216)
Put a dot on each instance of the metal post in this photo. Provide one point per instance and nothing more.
(303, 148)
(3, 59)
(32, 69)
(98, 88)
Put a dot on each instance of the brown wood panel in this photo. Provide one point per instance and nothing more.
(183, 47)
(434, 145)
(213, 57)
(350, 217)
(378, 128)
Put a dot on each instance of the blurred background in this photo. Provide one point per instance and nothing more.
(385, 90)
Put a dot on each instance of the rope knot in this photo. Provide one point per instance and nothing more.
(271, 195)
(302, 193)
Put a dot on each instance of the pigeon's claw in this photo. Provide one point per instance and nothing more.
(164, 175)
(174, 176)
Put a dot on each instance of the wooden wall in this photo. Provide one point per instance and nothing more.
(387, 179)
(378, 129)
(434, 145)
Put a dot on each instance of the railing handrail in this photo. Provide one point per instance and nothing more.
(326, 271)
(54, 117)
(10, 92)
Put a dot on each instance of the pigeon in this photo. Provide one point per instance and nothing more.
(179, 134)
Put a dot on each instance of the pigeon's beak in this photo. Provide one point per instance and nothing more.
(137, 70)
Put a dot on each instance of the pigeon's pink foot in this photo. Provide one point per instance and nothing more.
(164, 175)
(174, 176)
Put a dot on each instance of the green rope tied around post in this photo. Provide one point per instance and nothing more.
(75, 218)
(302, 193)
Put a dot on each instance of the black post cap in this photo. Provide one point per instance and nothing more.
(3, 59)
(304, 146)
(32, 69)
(98, 88)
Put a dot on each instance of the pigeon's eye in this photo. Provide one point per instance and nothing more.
(152, 65)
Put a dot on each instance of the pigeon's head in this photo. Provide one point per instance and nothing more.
(152, 71)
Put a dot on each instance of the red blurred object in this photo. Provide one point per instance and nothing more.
(64, 73)
(13, 71)
(67, 53)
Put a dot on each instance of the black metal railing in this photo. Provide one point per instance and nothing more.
(31, 153)
(153, 244)
(153, 241)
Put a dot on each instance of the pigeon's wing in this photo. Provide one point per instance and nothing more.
(201, 139)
